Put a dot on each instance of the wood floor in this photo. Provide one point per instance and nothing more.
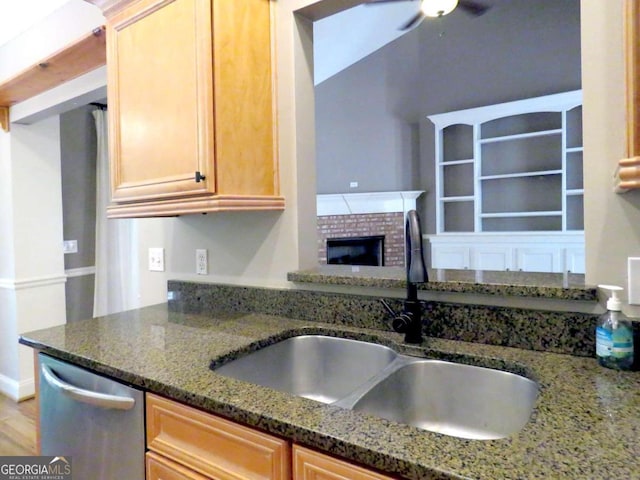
(17, 427)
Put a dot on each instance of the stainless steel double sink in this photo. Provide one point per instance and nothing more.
(455, 399)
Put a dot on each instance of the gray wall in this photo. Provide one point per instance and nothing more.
(359, 136)
(370, 118)
(78, 148)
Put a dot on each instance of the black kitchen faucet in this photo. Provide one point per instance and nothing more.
(409, 321)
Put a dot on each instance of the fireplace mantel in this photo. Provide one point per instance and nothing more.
(368, 202)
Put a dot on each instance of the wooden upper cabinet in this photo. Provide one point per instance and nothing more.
(628, 173)
(160, 100)
(191, 107)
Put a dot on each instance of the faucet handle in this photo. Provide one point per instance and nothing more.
(388, 308)
(399, 321)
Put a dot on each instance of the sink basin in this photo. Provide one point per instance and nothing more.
(450, 398)
(313, 366)
(454, 399)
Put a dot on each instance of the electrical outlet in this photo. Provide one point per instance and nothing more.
(156, 259)
(353, 184)
(202, 263)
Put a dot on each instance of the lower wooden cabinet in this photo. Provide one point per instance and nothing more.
(211, 446)
(160, 468)
(187, 444)
(310, 465)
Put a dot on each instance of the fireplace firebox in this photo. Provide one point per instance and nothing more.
(356, 250)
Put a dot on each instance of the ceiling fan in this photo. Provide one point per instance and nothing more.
(437, 8)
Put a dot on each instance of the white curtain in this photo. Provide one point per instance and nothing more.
(116, 259)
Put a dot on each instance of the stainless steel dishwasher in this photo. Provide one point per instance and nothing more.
(95, 420)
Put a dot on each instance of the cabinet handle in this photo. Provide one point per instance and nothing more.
(200, 177)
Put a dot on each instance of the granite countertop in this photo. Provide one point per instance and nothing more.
(585, 424)
(565, 286)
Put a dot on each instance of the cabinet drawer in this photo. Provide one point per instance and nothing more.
(159, 468)
(213, 446)
(310, 465)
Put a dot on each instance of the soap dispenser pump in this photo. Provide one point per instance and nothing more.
(614, 334)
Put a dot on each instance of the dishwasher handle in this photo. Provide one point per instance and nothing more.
(101, 400)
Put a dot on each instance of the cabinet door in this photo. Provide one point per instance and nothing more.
(213, 446)
(160, 468)
(450, 256)
(492, 258)
(574, 260)
(243, 98)
(539, 259)
(159, 55)
(310, 465)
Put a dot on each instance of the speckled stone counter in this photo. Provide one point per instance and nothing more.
(567, 286)
(544, 330)
(585, 425)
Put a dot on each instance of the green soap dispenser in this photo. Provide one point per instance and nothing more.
(614, 334)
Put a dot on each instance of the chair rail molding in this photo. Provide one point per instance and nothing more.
(33, 282)
(80, 271)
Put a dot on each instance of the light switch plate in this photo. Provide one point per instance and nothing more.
(70, 246)
(633, 275)
(156, 259)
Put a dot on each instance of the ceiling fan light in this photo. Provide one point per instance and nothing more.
(438, 8)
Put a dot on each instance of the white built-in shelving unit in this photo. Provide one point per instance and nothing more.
(509, 178)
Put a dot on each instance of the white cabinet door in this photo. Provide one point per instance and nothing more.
(541, 252)
(539, 259)
(449, 256)
(574, 260)
(492, 258)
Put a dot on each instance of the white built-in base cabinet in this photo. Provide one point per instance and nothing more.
(509, 252)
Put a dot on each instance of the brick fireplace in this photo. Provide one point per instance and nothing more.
(379, 214)
(389, 225)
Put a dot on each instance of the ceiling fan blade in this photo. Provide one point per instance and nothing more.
(472, 8)
(413, 21)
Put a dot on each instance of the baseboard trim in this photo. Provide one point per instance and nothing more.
(17, 390)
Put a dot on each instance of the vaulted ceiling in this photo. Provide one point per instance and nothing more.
(343, 38)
